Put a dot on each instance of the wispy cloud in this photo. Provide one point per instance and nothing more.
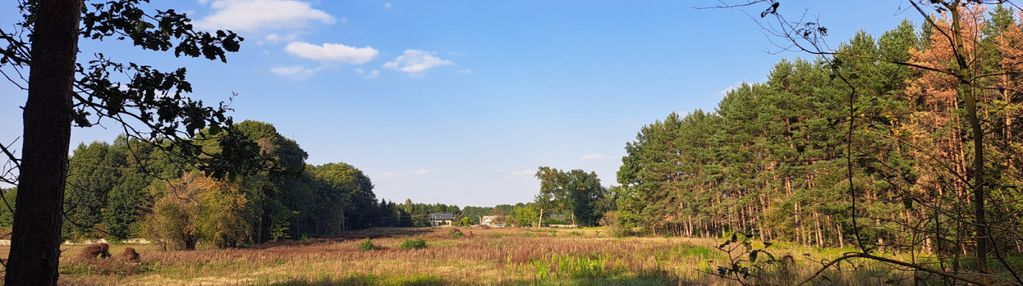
(416, 62)
(275, 37)
(331, 52)
(388, 6)
(262, 15)
(591, 157)
(367, 74)
(294, 72)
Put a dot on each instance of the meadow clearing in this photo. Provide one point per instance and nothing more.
(454, 256)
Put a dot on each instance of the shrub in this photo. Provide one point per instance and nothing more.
(417, 243)
(197, 208)
(368, 245)
(457, 233)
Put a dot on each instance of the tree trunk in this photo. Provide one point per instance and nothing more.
(978, 182)
(817, 229)
(841, 236)
(539, 221)
(35, 238)
(966, 86)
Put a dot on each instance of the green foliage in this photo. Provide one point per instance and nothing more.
(524, 214)
(196, 209)
(575, 192)
(92, 173)
(562, 266)
(456, 233)
(172, 223)
(7, 214)
(784, 159)
(769, 160)
(416, 243)
(126, 204)
(418, 213)
(747, 261)
(367, 245)
(149, 97)
(345, 185)
(112, 193)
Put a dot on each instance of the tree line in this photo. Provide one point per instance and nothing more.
(130, 188)
(776, 159)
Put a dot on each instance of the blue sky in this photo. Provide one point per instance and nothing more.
(460, 101)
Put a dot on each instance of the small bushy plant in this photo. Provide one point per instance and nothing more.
(368, 245)
(417, 243)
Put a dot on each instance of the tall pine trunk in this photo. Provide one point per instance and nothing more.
(35, 238)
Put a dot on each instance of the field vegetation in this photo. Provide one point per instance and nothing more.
(507, 256)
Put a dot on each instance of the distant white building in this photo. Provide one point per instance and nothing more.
(492, 220)
(440, 219)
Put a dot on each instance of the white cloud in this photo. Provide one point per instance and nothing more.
(261, 15)
(465, 71)
(387, 5)
(329, 52)
(296, 72)
(591, 157)
(275, 37)
(367, 74)
(416, 62)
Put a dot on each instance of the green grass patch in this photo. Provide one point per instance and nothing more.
(686, 250)
(366, 280)
(562, 266)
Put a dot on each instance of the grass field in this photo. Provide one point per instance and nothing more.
(469, 256)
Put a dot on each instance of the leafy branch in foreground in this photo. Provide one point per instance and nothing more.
(750, 262)
(147, 103)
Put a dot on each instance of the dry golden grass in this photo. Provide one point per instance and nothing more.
(479, 257)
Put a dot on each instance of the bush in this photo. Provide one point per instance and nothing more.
(197, 208)
(368, 245)
(417, 243)
(457, 233)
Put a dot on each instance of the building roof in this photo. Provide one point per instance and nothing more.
(441, 216)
